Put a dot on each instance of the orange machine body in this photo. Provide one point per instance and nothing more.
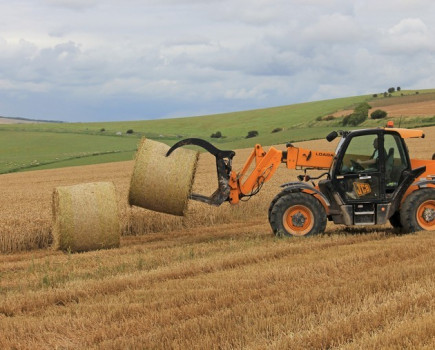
(266, 163)
(261, 166)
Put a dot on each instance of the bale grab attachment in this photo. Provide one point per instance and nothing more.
(223, 166)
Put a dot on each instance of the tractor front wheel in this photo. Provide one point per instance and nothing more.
(297, 214)
(418, 211)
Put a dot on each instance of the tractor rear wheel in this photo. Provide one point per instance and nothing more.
(418, 211)
(297, 214)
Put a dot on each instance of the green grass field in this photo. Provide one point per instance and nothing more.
(20, 150)
(52, 145)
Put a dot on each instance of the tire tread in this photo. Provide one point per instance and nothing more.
(284, 200)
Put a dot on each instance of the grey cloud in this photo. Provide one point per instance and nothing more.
(409, 25)
(409, 36)
(334, 28)
(76, 5)
(172, 58)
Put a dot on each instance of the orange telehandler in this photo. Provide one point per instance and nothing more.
(363, 183)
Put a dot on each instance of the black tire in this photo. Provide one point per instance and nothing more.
(418, 211)
(277, 197)
(297, 214)
(395, 220)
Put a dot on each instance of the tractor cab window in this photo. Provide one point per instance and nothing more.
(362, 155)
(395, 161)
(358, 176)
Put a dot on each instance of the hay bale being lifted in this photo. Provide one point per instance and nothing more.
(162, 183)
(85, 217)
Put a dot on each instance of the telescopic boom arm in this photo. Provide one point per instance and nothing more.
(234, 186)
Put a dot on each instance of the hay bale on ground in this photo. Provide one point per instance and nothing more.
(85, 217)
(162, 183)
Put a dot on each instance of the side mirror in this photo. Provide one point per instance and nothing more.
(332, 136)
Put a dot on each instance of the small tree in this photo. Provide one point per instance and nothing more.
(378, 114)
(353, 119)
(252, 133)
(359, 115)
(391, 90)
(216, 135)
(375, 95)
(363, 108)
(276, 130)
(398, 88)
(102, 130)
(130, 131)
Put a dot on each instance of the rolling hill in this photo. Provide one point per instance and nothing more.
(34, 146)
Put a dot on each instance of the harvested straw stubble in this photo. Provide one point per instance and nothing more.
(162, 183)
(85, 217)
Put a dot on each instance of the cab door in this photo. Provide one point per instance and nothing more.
(357, 174)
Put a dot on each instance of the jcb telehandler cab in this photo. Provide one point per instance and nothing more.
(370, 179)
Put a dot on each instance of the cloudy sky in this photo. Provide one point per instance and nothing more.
(95, 60)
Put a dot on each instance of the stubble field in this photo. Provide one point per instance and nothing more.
(217, 278)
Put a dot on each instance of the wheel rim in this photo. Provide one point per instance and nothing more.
(298, 220)
(426, 215)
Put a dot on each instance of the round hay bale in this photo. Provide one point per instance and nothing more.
(85, 217)
(162, 183)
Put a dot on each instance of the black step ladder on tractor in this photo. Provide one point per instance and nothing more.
(364, 214)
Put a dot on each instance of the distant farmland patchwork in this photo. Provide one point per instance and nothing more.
(98, 139)
(52, 145)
